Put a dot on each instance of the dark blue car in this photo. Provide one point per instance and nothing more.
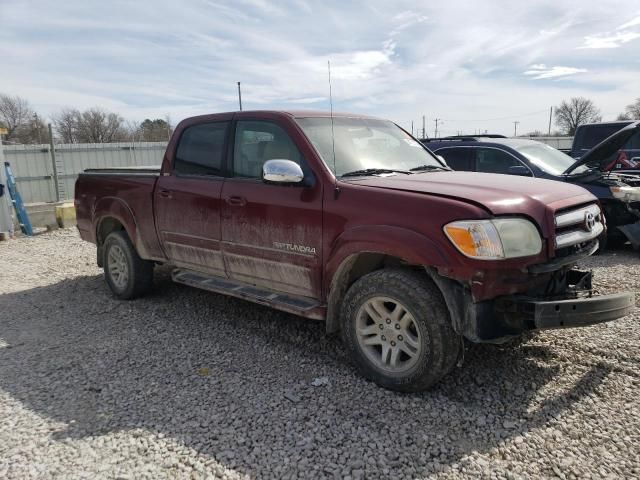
(619, 194)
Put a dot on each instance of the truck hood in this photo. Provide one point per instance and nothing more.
(499, 194)
(606, 148)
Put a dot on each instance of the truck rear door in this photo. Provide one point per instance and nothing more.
(271, 234)
(187, 198)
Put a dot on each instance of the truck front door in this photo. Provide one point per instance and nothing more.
(271, 234)
(187, 200)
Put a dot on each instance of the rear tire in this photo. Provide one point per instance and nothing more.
(127, 275)
(397, 330)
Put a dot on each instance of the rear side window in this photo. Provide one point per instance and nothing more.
(491, 160)
(201, 149)
(458, 158)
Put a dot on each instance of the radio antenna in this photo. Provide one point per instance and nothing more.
(333, 140)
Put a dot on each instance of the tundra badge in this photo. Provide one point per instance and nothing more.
(294, 248)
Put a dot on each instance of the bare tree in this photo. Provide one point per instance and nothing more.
(576, 111)
(65, 123)
(98, 126)
(633, 111)
(15, 115)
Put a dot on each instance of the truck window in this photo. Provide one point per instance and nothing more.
(491, 160)
(259, 141)
(200, 149)
(458, 158)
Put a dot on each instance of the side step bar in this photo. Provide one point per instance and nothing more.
(303, 306)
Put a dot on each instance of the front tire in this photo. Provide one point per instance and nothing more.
(127, 275)
(397, 330)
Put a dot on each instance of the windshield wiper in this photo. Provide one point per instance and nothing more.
(426, 168)
(374, 171)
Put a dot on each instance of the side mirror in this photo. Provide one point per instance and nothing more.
(520, 170)
(282, 171)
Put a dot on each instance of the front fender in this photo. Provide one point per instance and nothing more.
(408, 245)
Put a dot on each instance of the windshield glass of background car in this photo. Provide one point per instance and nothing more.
(362, 143)
(548, 158)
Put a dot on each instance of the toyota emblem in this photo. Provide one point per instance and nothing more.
(589, 221)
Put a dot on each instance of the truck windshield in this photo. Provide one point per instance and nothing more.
(366, 144)
(548, 158)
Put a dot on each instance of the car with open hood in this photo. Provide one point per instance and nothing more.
(617, 191)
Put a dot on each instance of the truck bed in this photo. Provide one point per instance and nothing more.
(123, 193)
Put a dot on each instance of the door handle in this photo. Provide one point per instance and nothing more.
(164, 193)
(236, 201)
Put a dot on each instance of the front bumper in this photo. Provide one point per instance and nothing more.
(573, 312)
(567, 302)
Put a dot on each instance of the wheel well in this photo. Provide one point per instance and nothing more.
(105, 227)
(353, 268)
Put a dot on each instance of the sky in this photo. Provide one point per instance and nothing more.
(474, 66)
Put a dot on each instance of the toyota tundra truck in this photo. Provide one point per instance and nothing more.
(349, 220)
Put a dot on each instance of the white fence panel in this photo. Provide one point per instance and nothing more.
(33, 164)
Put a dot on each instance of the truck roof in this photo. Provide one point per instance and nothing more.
(293, 113)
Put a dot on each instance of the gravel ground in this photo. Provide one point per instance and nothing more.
(189, 384)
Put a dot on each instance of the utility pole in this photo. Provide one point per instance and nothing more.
(436, 120)
(424, 132)
(412, 128)
(550, 115)
(54, 165)
(515, 128)
(239, 96)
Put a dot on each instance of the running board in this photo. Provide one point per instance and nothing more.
(303, 306)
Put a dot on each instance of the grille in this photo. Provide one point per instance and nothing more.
(574, 227)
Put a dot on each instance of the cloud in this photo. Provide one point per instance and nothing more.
(613, 40)
(541, 71)
(400, 60)
(307, 100)
(630, 23)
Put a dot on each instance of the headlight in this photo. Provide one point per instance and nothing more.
(495, 239)
(626, 194)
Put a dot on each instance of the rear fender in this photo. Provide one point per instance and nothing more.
(116, 208)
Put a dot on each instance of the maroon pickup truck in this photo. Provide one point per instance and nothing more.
(349, 220)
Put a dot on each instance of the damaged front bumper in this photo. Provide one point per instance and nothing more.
(532, 313)
(570, 302)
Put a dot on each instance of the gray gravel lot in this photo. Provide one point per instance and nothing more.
(190, 384)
